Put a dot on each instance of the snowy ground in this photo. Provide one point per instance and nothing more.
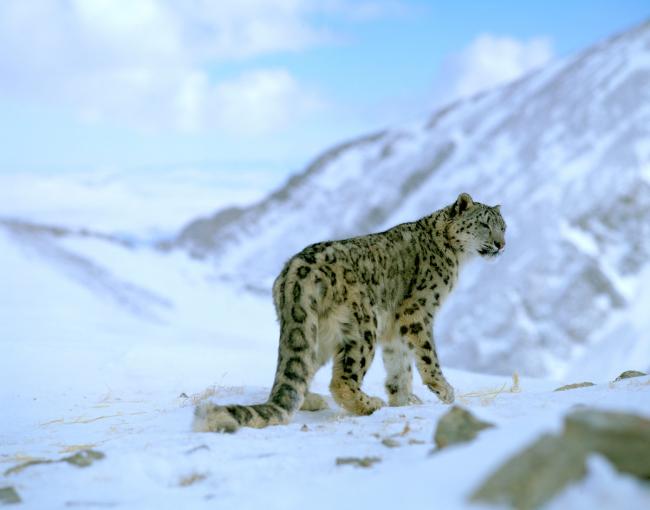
(153, 461)
(108, 347)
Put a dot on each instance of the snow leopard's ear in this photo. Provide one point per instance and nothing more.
(462, 204)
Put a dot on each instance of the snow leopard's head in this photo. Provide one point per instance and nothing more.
(476, 228)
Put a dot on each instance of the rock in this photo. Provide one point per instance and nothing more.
(535, 475)
(9, 496)
(390, 442)
(574, 386)
(357, 461)
(84, 458)
(458, 426)
(624, 439)
(628, 374)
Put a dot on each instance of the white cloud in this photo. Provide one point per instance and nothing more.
(365, 10)
(151, 63)
(253, 103)
(490, 60)
(248, 28)
(261, 101)
(144, 31)
(190, 102)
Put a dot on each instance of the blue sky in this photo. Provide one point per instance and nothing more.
(234, 85)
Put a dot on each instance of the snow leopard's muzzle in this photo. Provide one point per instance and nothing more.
(493, 249)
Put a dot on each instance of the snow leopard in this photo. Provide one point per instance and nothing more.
(339, 300)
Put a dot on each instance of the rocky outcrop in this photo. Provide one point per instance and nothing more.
(533, 476)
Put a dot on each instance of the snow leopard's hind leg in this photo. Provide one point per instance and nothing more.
(399, 374)
(351, 362)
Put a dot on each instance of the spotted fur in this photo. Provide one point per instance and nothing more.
(340, 299)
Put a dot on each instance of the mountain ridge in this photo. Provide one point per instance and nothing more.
(568, 144)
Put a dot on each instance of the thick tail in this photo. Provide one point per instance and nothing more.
(209, 417)
(296, 363)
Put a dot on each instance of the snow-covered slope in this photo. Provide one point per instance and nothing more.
(107, 341)
(140, 204)
(107, 346)
(565, 150)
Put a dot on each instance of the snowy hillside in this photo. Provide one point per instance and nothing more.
(565, 150)
(143, 204)
(113, 327)
(108, 347)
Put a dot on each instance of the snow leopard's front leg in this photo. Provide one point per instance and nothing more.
(418, 334)
(426, 359)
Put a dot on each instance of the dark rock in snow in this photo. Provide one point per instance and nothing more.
(574, 386)
(390, 443)
(357, 461)
(621, 437)
(535, 475)
(9, 496)
(458, 426)
(83, 458)
(628, 374)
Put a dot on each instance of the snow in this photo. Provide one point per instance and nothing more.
(83, 367)
(109, 345)
(147, 199)
(603, 487)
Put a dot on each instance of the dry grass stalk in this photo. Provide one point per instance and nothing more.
(191, 479)
(211, 391)
(488, 396)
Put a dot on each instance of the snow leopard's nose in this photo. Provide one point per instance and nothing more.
(499, 244)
